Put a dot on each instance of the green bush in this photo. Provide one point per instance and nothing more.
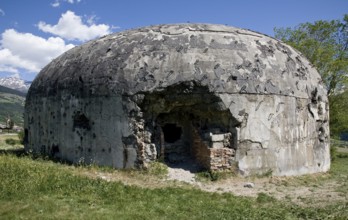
(157, 169)
(21, 137)
(333, 152)
(342, 155)
(11, 141)
(264, 198)
(211, 175)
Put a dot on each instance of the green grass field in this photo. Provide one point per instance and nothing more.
(42, 189)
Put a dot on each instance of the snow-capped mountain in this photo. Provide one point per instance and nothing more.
(15, 83)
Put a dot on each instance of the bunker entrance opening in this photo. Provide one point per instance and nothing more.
(188, 124)
(171, 132)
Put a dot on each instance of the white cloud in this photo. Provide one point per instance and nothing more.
(91, 19)
(28, 52)
(71, 27)
(2, 13)
(56, 3)
(8, 69)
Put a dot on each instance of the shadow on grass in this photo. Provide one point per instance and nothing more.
(21, 152)
(17, 151)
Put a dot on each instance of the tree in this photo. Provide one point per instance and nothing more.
(338, 113)
(325, 44)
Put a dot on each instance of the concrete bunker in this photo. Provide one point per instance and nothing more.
(221, 96)
(188, 123)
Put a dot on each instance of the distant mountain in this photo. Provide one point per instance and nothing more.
(15, 83)
(11, 105)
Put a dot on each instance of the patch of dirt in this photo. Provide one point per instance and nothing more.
(311, 190)
(281, 188)
(184, 171)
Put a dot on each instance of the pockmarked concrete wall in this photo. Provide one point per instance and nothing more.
(229, 98)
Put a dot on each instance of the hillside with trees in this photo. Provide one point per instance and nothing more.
(12, 105)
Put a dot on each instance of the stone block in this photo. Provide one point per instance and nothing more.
(217, 137)
(217, 145)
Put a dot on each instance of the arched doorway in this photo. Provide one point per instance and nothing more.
(188, 123)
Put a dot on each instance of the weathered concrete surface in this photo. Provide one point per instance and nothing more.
(109, 102)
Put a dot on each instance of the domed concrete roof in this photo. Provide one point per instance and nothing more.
(226, 59)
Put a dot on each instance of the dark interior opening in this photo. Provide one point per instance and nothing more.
(26, 133)
(81, 121)
(54, 150)
(182, 119)
(171, 132)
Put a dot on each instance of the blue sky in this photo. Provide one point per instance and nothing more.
(34, 32)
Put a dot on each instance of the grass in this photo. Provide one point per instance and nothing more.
(41, 189)
(9, 141)
(157, 169)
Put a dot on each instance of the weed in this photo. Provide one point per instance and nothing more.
(268, 173)
(285, 183)
(262, 174)
(203, 176)
(11, 141)
(208, 175)
(214, 175)
(342, 155)
(333, 152)
(21, 137)
(264, 198)
(157, 169)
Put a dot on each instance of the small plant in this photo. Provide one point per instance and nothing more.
(204, 175)
(264, 198)
(11, 141)
(288, 197)
(268, 173)
(333, 152)
(211, 175)
(21, 137)
(342, 155)
(214, 176)
(157, 169)
(285, 183)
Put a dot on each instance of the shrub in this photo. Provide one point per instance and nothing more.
(264, 198)
(212, 175)
(11, 141)
(21, 137)
(333, 152)
(342, 155)
(157, 169)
